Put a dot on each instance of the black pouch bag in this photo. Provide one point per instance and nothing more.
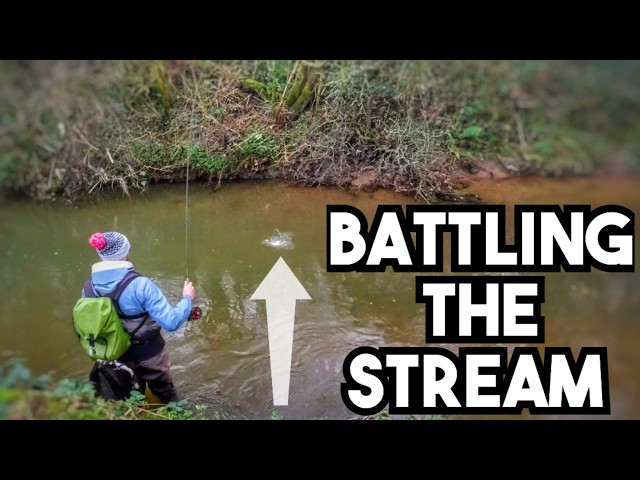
(113, 380)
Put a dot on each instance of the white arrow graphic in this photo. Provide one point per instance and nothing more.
(280, 288)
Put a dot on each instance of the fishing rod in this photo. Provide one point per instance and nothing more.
(196, 312)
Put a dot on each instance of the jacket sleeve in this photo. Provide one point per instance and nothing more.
(158, 307)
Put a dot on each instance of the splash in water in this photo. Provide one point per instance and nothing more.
(279, 240)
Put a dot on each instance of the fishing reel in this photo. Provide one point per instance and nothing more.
(196, 313)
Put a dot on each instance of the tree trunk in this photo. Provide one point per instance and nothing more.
(301, 92)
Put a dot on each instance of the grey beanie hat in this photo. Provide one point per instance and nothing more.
(110, 245)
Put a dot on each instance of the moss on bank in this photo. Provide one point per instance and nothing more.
(75, 127)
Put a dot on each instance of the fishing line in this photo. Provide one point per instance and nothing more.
(186, 219)
(186, 193)
(196, 312)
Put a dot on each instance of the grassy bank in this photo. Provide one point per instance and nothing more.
(74, 128)
(72, 400)
(23, 397)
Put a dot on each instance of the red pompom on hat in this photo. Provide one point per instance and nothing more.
(97, 241)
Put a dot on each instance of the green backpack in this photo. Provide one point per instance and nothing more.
(97, 322)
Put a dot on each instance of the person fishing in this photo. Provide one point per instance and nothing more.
(146, 312)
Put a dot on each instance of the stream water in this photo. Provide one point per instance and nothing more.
(235, 236)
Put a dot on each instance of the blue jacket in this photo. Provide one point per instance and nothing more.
(141, 295)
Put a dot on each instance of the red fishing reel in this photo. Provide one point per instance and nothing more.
(195, 314)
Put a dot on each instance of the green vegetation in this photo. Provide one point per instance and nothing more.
(72, 128)
(25, 398)
(72, 400)
(22, 397)
(384, 415)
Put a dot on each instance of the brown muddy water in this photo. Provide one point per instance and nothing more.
(235, 236)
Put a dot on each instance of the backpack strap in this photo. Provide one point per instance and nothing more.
(87, 289)
(115, 298)
(117, 293)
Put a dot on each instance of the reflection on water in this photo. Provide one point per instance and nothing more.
(235, 237)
